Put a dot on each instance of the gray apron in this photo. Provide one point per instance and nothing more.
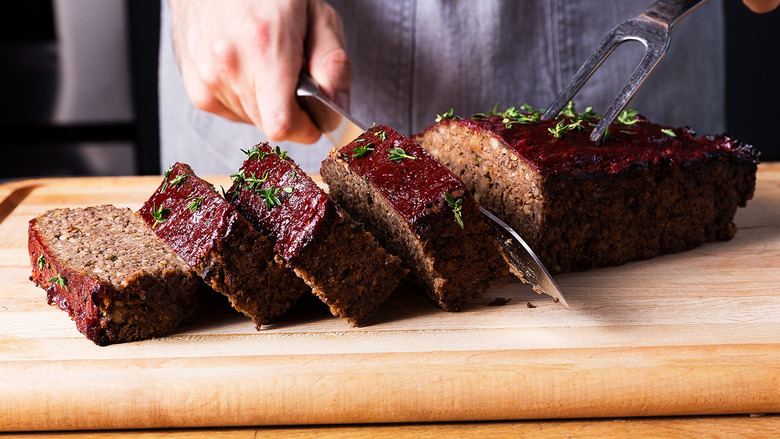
(413, 59)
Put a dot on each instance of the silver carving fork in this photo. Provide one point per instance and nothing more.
(652, 28)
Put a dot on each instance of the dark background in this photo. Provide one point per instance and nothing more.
(32, 147)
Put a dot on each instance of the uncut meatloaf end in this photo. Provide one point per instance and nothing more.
(644, 191)
(115, 278)
(419, 211)
(341, 262)
(221, 246)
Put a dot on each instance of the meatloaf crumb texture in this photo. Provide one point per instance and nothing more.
(403, 202)
(222, 248)
(645, 191)
(342, 263)
(117, 280)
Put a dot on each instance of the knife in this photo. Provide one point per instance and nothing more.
(521, 259)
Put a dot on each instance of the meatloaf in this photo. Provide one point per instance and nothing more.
(221, 246)
(419, 211)
(645, 190)
(117, 280)
(342, 263)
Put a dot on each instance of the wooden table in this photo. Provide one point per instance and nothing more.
(695, 333)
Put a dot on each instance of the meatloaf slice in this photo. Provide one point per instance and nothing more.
(220, 245)
(342, 263)
(645, 190)
(117, 280)
(419, 211)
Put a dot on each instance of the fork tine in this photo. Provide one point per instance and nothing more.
(654, 51)
(608, 44)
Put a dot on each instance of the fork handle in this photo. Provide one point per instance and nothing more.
(671, 11)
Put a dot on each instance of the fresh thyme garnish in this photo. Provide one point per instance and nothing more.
(270, 196)
(669, 132)
(569, 111)
(238, 178)
(449, 115)
(628, 117)
(288, 189)
(254, 182)
(398, 154)
(42, 262)
(456, 206)
(255, 152)
(59, 280)
(159, 214)
(514, 116)
(282, 154)
(561, 127)
(493, 112)
(166, 174)
(362, 150)
(294, 176)
(179, 179)
(195, 203)
(382, 135)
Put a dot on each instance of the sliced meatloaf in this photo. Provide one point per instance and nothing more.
(220, 245)
(419, 211)
(342, 263)
(645, 190)
(117, 280)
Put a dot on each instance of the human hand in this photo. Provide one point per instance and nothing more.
(761, 6)
(241, 60)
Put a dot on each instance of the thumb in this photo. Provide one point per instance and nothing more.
(328, 62)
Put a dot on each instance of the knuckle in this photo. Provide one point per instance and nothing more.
(278, 128)
(259, 32)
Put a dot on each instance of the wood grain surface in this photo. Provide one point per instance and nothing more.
(694, 333)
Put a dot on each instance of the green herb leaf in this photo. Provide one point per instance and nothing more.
(398, 154)
(195, 203)
(493, 112)
(456, 206)
(59, 280)
(669, 132)
(159, 214)
(449, 115)
(362, 150)
(166, 174)
(382, 135)
(514, 116)
(562, 127)
(288, 189)
(628, 117)
(179, 179)
(271, 197)
(41, 261)
(255, 153)
(569, 110)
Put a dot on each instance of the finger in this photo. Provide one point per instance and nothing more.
(762, 6)
(274, 85)
(328, 62)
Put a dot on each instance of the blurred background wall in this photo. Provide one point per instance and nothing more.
(78, 85)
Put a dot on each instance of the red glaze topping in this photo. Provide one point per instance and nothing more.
(302, 208)
(415, 187)
(76, 297)
(639, 144)
(191, 217)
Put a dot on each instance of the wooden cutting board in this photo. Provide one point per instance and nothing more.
(692, 333)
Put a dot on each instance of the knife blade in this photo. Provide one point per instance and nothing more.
(522, 260)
